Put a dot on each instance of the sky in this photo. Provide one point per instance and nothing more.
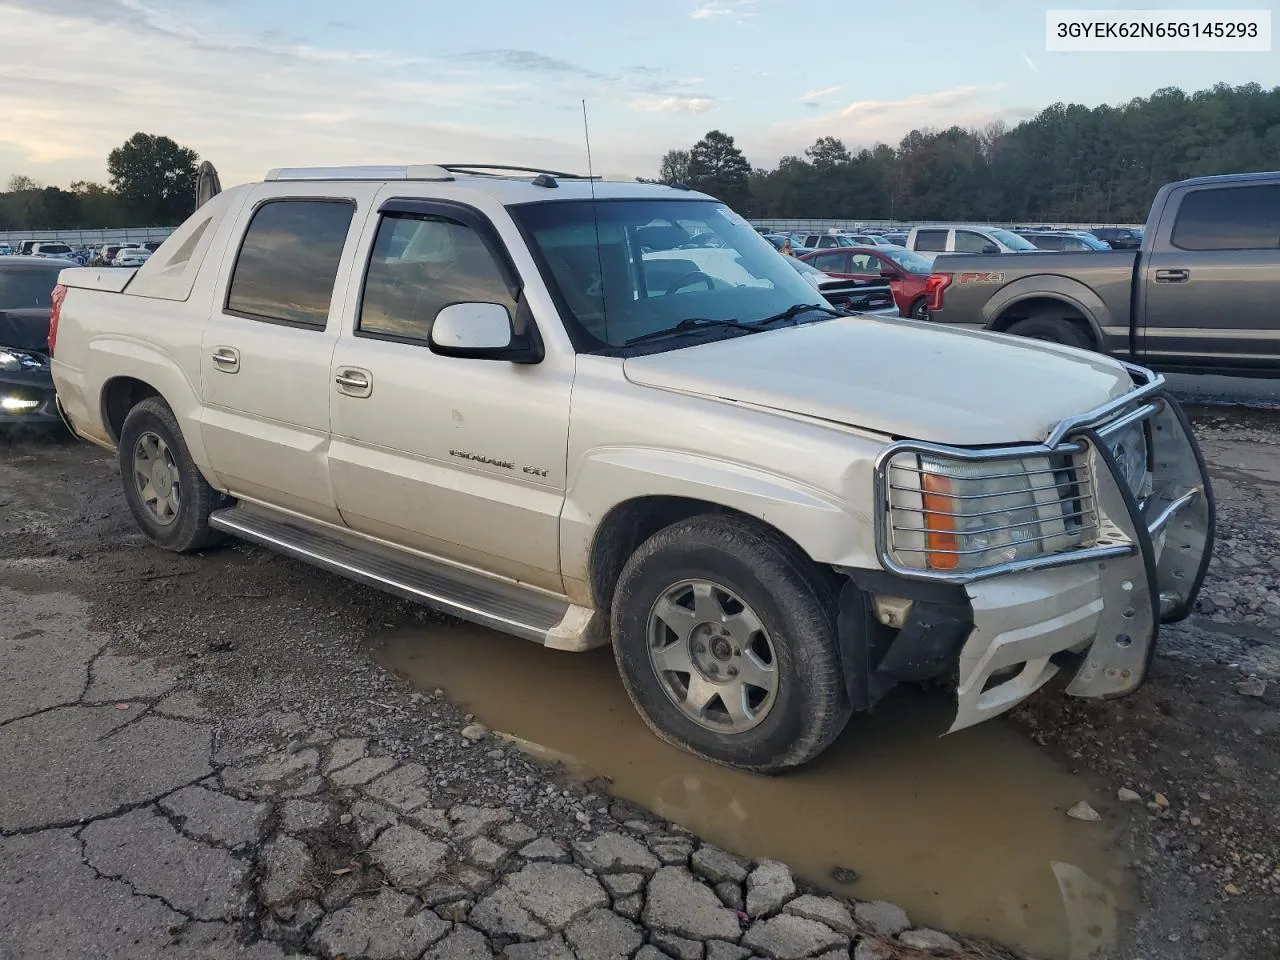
(255, 84)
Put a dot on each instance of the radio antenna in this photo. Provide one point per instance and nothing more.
(595, 219)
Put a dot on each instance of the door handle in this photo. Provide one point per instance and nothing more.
(353, 382)
(1173, 276)
(226, 359)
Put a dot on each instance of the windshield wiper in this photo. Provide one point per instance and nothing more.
(684, 326)
(791, 313)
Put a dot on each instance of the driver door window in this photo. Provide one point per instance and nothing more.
(420, 265)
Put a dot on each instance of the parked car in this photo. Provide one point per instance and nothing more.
(131, 257)
(869, 295)
(1064, 240)
(6, 250)
(966, 238)
(26, 302)
(50, 248)
(1119, 238)
(482, 393)
(907, 272)
(1199, 297)
(824, 241)
(896, 237)
(778, 239)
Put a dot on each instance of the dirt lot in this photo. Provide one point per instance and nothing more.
(270, 648)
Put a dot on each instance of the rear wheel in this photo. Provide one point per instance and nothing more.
(919, 310)
(725, 638)
(167, 495)
(1055, 330)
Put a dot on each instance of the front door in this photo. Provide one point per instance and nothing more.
(1208, 295)
(460, 458)
(266, 351)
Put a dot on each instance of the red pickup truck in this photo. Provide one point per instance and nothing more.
(907, 272)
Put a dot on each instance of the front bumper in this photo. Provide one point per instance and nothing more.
(1095, 610)
(28, 397)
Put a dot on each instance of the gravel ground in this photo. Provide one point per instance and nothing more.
(282, 795)
(201, 761)
(1198, 744)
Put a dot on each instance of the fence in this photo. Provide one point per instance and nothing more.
(87, 238)
(823, 226)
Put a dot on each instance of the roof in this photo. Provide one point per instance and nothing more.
(506, 186)
(1271, 176)
(29, 261)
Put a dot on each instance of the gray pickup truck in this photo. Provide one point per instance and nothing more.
(1202, 294)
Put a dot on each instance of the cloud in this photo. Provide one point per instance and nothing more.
(248, 106)
(673, 104)
(1031, 63)
(863, 123)
(813, 95)
(732, 11)
(527, 60)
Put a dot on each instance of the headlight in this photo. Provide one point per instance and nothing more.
(12, 361)
(960, 515)
(1129, 448)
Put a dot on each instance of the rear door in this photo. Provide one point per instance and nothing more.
(266, 351)
(835, 263)
(1210, 292)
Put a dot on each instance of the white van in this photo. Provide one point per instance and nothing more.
(966, 238)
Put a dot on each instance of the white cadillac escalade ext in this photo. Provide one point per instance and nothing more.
(511, 397)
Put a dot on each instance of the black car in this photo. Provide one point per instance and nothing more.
(26, 303)
(1119, 238)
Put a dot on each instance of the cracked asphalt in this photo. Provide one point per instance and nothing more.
(200, 760)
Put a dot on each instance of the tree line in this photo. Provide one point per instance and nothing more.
(152, 184)
(1068, 163)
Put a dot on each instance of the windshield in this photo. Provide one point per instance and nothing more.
(27, 286)
(58, 248)
(908, 260)
(1012, 240)
(657, 263)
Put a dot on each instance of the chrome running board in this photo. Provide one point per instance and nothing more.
(463, 592)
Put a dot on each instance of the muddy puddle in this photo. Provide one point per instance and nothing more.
(966, 832)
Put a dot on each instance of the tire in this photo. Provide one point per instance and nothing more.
(173, 515)
(1066, 332)
(919, 309)
(780, 591)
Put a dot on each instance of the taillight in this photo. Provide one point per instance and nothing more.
(59, 294)
(936, 283)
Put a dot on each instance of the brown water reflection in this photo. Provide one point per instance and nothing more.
(966, 832)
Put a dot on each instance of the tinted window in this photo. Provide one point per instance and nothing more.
(935, 240)
(1047, 241)
(831, 262)
(420, 265)
(24, 285)
(1229, 218)
(969, 242)
(289, 259)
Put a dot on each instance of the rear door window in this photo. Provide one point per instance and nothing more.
(288, 261)
(935, 240)
(1229, 218)
(969, 242)
(831, 262)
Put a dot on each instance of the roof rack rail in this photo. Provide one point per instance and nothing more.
(480, 168)
(414, 171)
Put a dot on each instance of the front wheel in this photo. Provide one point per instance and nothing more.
(725, 637)
(169, 498)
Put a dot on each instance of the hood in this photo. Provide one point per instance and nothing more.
(25, 329)
(897, 377)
